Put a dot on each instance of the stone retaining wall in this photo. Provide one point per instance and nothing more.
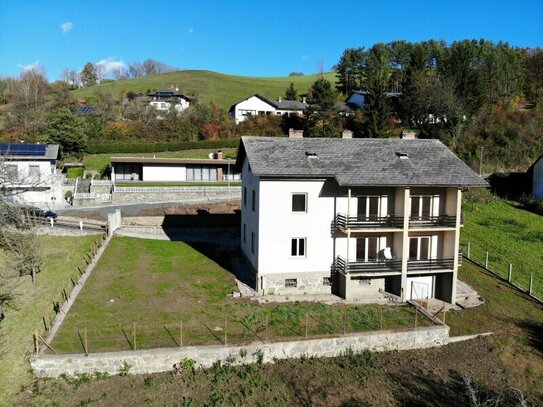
(189, 194)
(160, 360)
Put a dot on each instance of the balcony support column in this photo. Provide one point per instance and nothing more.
(405, 242)
(456, 243)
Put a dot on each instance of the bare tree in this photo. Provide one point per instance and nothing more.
(71, 77)
(135, 69)
(100, 72)
(119, 73)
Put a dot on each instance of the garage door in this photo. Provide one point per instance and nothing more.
(419, 287)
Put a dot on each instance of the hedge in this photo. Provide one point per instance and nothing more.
(110, 148)
(75, 172)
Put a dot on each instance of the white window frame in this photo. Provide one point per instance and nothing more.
(366, 258)
(298, 241)
(420, 199)
(419, 247)
(304, 194)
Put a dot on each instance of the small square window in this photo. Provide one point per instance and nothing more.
(291, 282)
(299, 202)
(297, 247)
(364, 281)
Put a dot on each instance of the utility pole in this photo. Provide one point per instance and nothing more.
(481, 162)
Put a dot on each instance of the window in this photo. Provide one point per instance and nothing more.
(364, 281)
(12, 172)
(34, 173)
(327, 281)
(196, 173)
(253, 203)
(419, 248)
(291, 282)
(299, 202)
(367, 248)
(244, 233)
(253, 242)
(247, 112)
(244, 197)
(297, 247)
(421, 206)
(369, 207)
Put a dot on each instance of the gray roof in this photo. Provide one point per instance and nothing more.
(281, 105)
(352, 162)
(51, 154)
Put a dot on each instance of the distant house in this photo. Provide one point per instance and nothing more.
(28, 172)
(172, 169)
(536, 174)
(163, 100)
(362, 218)
(357, 98)
(257, 105)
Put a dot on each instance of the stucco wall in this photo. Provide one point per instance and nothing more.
(160, 360)
(253, 103)
(164, 172)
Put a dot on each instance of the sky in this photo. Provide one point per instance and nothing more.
(250, 38)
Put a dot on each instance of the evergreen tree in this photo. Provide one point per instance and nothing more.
(291, 93)
(349, 70)
(322, 115)
(88, 75)
(67, 129)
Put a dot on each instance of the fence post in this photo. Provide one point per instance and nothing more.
(510, 275)
(266, 330)
(469, 249)
(381, 317)
(181, 333)
(225, 330)
(344, 320)
(486, 260)
(36, 343)
(306, 320)
(531, 283)
(134, 336)
(444, 312)
(86, 341)
(416, 316)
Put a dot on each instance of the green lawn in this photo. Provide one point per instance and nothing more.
(510, 235)
(99, 162)
(224, 90)
(159, 285)
(33, 302)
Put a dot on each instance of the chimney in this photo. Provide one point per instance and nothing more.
(279, 99)
(219, 155)
(408, 135)
(304, 99)
(295, 133)
(346, 134)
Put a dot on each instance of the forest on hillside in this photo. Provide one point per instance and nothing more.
(476, 96)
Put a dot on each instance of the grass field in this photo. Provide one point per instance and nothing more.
(224, 90)
(158, 285)
(510, 235)
(511, 358)
(99, 162)
(33, 302)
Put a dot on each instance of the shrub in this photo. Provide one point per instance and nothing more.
(112, 148)
(75, 172)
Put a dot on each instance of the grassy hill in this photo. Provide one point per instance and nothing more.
(223, 89)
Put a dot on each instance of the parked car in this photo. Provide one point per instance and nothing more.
(41, 213)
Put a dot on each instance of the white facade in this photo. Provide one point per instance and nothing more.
(165, 106)
(413, 256)
(257, 106)
(32, 181)
(164, 173)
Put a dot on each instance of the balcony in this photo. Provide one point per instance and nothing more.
(394, 265)
(428, 265)
(440, 221)
(343, 221)
(375, 266)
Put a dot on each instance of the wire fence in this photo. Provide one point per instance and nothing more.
(265, 326)
(519, 275)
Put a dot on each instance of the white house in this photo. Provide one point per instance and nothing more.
(356, 217)
(259, 105)
(172, 169)
(163, 100)
(27, 172)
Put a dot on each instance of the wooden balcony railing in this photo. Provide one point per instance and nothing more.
(368, 222)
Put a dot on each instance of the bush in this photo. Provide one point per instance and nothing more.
(75, 172)
(111, 148)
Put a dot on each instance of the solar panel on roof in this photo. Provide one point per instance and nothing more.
(23, 149)
(85, 109)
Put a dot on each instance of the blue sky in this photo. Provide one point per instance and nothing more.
(256, 38)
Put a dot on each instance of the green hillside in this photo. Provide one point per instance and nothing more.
(223, 89)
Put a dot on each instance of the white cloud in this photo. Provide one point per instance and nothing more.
(111, 63)
(67, 26)
(29, 67)
(190, 30)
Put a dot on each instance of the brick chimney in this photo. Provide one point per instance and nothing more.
(304, 99)
(219, 155)
(346, 134)
(295, 133)
(408, 135)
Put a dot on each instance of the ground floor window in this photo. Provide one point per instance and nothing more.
(198, 173)
(291, 282)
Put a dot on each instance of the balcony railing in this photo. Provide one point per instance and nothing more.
(442, 263)
(434, 221)
(374, 266)
(368, 222)
(394, 265)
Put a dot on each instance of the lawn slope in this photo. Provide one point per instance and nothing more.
(222, 89)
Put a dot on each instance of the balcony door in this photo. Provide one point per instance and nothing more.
(367, 249)
(369, 207)
(419, 248)
(421, 207)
